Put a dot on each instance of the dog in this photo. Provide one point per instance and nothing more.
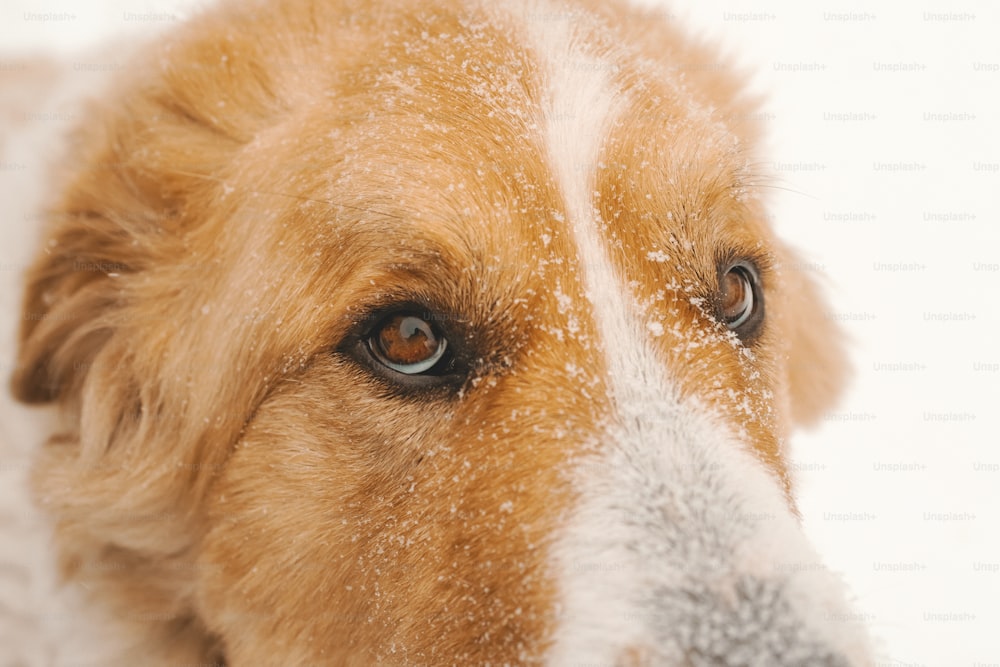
(437, 332)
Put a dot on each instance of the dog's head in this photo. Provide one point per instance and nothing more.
(431, 333)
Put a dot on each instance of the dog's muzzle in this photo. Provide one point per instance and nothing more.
(684, 551)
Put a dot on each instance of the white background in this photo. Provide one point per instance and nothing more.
(884, 127)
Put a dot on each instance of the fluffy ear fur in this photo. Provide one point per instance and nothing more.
(108, 333)
(817, 362)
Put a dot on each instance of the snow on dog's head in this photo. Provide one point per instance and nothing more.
(438, 333)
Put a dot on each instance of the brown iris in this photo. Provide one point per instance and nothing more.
(738, 299)
(407, 343)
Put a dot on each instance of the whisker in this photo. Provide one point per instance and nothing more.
(763, 177)
(782, 187)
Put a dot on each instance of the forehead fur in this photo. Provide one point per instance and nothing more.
(419, 130)
(432, 142)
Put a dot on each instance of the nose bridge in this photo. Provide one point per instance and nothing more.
(682, 543)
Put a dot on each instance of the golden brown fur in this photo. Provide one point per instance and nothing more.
(237, 486)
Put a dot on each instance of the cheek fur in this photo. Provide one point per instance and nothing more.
(430, 539)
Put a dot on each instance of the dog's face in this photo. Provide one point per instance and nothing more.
(431, 335)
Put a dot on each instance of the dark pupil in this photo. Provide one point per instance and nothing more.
(407, 340)
(734, 295)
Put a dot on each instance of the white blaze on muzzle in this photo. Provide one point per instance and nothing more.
(682, 549)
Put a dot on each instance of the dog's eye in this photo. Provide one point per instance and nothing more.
(407, 344)
(740, 301)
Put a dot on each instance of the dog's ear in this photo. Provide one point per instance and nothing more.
(122, 325)
(123, 329)
(88, 331)
(817, 366)
(70, 302)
